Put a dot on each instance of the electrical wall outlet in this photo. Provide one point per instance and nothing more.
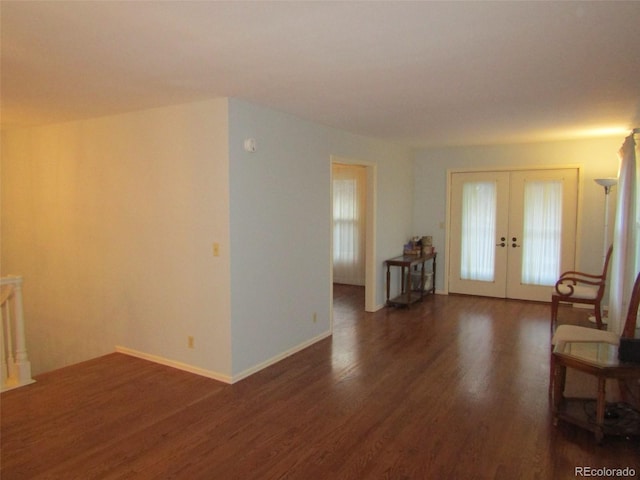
(190, 342)
(216, 249)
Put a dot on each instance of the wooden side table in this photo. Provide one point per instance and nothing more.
(408, 262)
(599, 359)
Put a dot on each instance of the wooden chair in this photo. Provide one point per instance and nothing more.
(575, 333)
(579, 287)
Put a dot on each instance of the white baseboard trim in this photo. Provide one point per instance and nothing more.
(11, 385)
(215, 375)
(256, 368)
(172, 363)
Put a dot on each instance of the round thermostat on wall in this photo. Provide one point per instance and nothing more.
(250, 145)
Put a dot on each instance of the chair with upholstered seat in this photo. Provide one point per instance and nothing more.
(576, 333)
(579, 287)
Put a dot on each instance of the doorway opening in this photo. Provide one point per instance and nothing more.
(345, 221)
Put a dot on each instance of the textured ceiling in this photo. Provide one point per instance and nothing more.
(419, 73)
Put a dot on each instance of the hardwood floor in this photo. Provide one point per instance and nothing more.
(454, 388)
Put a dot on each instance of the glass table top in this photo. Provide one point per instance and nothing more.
(597, 353)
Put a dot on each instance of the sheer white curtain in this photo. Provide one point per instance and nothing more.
(625, 261)
(349, 200)
(542, 236)
(477, 249)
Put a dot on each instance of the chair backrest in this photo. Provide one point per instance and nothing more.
(605, 269)
(632, 315)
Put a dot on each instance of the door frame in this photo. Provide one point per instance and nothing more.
(451, 171)
(370, 275)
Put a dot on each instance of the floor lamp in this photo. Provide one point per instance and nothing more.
(607, 183)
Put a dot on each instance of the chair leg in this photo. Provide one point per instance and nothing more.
(554, 313)
(598, 315)
(551, 372)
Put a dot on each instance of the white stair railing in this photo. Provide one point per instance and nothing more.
(16, 368)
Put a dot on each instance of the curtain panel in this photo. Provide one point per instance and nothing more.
(349, 203)
(625, 262)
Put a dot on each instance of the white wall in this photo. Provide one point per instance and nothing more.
(280, 227)
(111, 223)
(597, 156)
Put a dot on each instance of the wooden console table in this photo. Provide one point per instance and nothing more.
(410, 262)
(599, 359)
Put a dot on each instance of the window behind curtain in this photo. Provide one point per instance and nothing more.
(477, 250)
(349, 197)
(542, 236)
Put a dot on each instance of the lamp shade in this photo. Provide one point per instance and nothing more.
(606, 182)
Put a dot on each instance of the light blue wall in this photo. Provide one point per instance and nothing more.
(280, 209)
(394, 196)
(598, 158)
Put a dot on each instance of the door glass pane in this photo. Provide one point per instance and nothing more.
(477, 256)
(542, 235)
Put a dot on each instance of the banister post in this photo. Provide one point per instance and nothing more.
(22, 364)
(19, 367)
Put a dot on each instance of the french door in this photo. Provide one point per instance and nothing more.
(511, 232)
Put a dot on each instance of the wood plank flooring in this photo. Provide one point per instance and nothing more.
(454, 388)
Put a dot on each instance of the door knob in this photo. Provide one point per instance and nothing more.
(500, 244)
(515, 245)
